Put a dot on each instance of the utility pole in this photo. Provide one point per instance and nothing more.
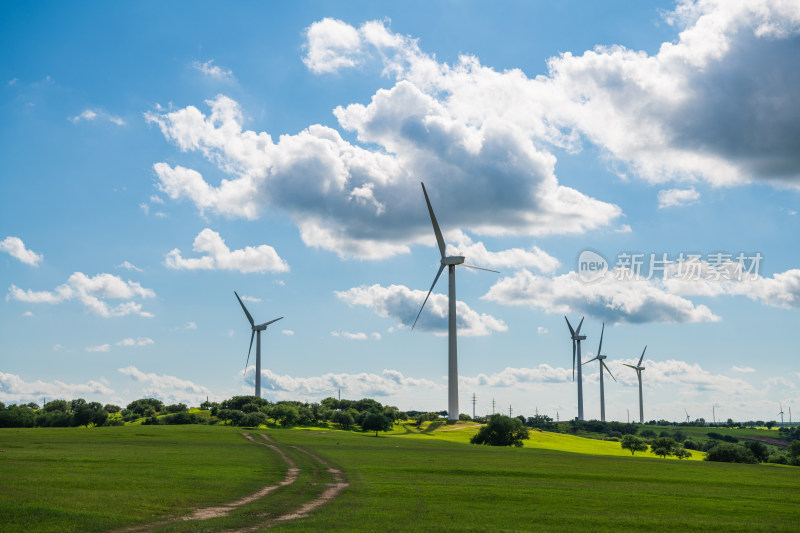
(557, 420)
(492, 405)
(473, 406)
(537, 411)
(340, 395)
(509, 411)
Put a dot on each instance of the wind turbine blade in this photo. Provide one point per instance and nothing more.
(609, 371)
(265, 324)
(573, 360)
(428, 295)
(590, 360)
(480, 268)
(436, 230)
(571, 331)
(253, 334)
(578, 331)
(601, 339)
(250, 318)
(642, 357)
(626, 364)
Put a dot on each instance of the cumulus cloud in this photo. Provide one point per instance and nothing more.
(361, 385)
(167, 388)
(402, 304)
(90, 115)
(14, 247)
(513, 377)
(141, 341)
(218, 256)
(14, 389)
(287, 332)
(213, 71)
(677, 197)
(611, 299)
(690, 377)
(100, 348)
(92, 293)
(356, 336)
(127, 265)
(250, 299)
(743, 369)
(476, 253)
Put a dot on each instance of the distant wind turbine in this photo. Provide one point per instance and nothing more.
(256, 332)
(576, 342)
(452, 343)
(781, 413)
(687, 415)
(638, 368)
(603, 365)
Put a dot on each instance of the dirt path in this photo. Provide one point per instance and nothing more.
(337, 485)
(221, 510)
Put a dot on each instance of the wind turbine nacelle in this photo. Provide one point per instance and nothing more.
(579, 337)
(453, 260)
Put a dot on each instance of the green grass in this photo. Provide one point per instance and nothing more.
(77, 479)
(410, 479)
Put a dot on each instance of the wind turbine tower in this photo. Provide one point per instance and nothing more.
(781, 413)
(638, 368)
(256, 332)
(576, 342)
(452, 342)
(687, 415)
(603, 365)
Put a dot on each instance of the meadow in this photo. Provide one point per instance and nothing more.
(99, 479)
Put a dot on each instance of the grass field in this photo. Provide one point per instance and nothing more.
(107, 478)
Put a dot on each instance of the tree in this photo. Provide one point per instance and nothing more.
(681, 452)
(376, 422)
(253, 420)
(794, 448)
(111, 408)
(730, 453)
(647, 433)
(771, 424)
(284, 413)
(345, 420)
(760, 451)
(634, 444)
(663, 446)
(501, 431)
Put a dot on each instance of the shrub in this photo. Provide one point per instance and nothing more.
(253, 420)
(647, 433)
(778, 459)
(501, 431)
(691, 445)
(730, 453)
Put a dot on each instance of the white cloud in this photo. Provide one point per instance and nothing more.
(169, 389)
(541, 330)
(690, 377)
(743, 369)
(190, 325)
(213, 71)
(611, 299)
(250, 299)
(359, 385)
(27, 313)
(357, 336)
(477, 254)
(332, 45)
(57, 347)
(375, 336)
(13, 388)
(91, 292)
(677, 197)
(100, 348)
(141, 341)
(250, 259)
(287, 332)
(402, 304)
(127, 265)
(90, 115)
(14, 247)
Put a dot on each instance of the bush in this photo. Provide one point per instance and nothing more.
(184, 417)
(647, 434)
(730, 453)
(759, 450)
(691, 445)
(114, 422)
(501, 431)
(253, 420)
(778, 459)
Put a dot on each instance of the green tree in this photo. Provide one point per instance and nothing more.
(501, 431)
(284, 413)
(770, 424)
(253, 420)
(345, 420)
(663, 446)
(681, 452)
(794, 448)
(376, 422)
(59, 406)
(111, 408)
(634, 444)
(730, 453)
(759, 449)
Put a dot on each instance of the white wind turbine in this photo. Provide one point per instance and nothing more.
(452, 344)
(639, 369)
(687, 415)
(781, 413)
(576, 341)
(603, 365)
(256, 332)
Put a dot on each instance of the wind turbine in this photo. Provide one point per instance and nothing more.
(256, 329)
(603, 365)
(638, 368)
(687, 415)
(781, 413)
(576, 340)
(452, 343)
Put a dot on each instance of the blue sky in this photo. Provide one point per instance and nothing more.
(158, 157)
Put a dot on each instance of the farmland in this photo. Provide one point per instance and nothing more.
(101, 479)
